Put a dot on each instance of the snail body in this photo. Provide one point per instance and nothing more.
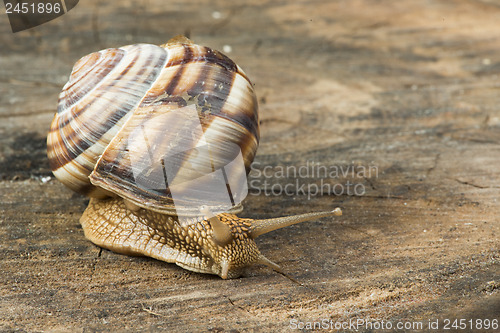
(138, 128)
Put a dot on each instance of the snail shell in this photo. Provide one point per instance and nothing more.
(94, 144)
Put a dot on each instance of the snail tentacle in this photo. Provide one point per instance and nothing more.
(260, 227)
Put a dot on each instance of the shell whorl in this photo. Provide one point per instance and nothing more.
(113, 92)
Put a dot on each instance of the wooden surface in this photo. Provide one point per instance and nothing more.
(409, 87)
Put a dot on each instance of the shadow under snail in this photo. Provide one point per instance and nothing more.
(123, 108)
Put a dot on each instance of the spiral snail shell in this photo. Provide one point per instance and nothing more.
(125, 108)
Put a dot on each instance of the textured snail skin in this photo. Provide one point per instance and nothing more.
(109, 224)
(111, 93)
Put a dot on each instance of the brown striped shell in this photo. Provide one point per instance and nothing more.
(121, 108)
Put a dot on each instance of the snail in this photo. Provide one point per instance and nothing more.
(141, 130)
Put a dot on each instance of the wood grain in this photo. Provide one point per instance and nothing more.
(410, 88)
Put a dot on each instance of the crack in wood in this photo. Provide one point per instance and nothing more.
(238, 306)
(388, 196)
(369, 181)
(463, 182)
(433, 167)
